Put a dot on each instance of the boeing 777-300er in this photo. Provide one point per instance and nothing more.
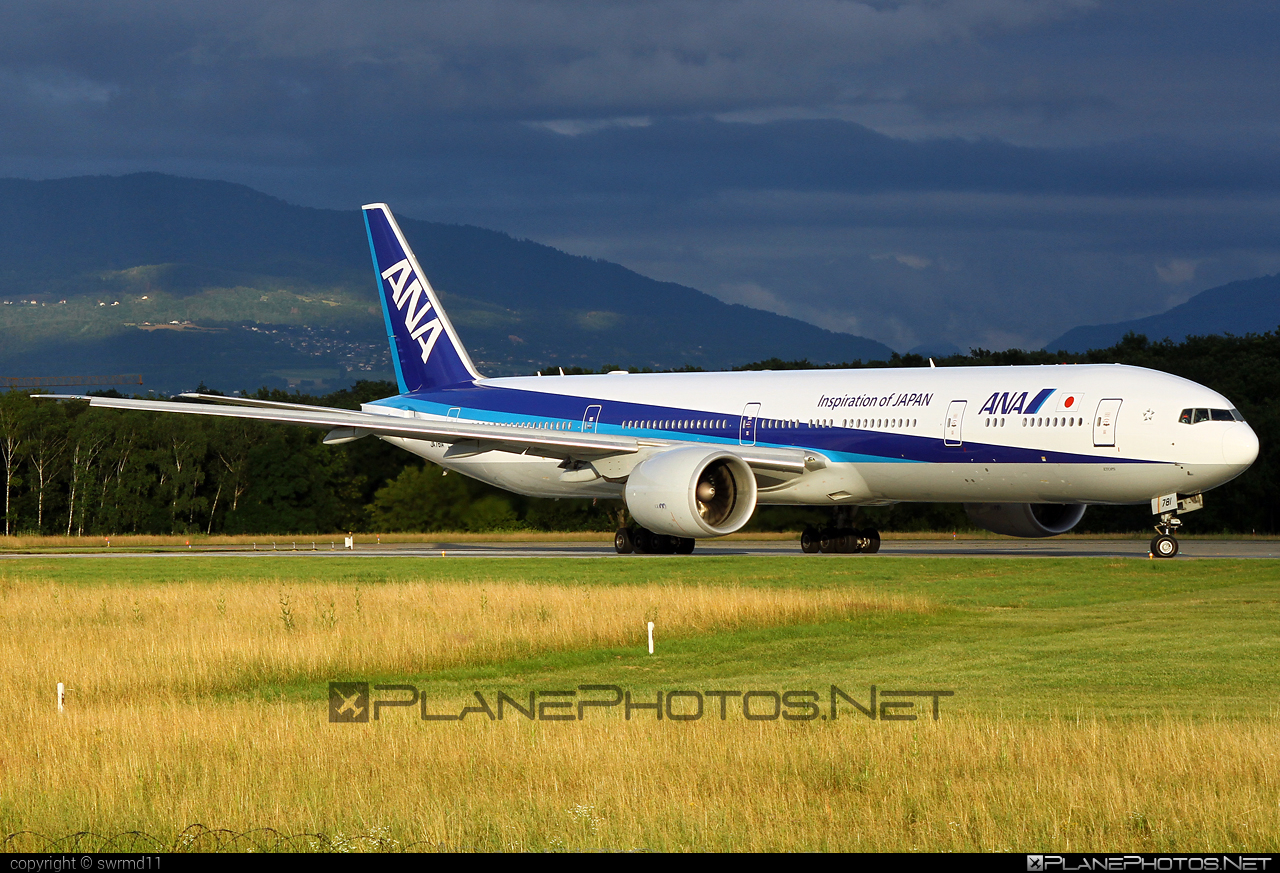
(1025, 449)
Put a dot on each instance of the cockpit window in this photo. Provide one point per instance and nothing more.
(1195, 416)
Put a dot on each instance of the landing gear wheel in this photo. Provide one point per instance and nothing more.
(809, 541)
(1164, 546)
(622, 541)
(684, 546)
(870, 540)
(641, 541)
(662, 544)
(847, 542)
(826, 540)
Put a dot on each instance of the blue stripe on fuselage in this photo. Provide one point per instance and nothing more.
(512, 406)
(1036, 402)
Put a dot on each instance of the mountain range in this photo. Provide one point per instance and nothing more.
(1247, 306)
(187, 281)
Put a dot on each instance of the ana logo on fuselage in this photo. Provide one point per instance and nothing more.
(415, 303)
(1014, 403)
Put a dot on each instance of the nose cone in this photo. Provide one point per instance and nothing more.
(1239, 445)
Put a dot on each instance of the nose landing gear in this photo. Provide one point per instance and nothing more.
(1165, 544)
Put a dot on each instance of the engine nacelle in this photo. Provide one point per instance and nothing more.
(692, 491)
(1025, 519)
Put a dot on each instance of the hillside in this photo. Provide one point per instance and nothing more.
(1239, 308)
(186, 280)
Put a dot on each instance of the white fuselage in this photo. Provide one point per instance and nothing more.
(1042, 434)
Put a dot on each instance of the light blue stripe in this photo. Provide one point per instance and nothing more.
(386, 314)
(487, 416)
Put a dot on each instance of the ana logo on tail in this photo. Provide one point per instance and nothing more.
(419, 305)
(424, 346)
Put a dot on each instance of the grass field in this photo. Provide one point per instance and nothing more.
(1099, 704)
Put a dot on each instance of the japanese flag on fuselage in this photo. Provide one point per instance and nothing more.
(1070, 403)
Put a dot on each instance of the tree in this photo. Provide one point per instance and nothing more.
(15, 412)
(46, 452)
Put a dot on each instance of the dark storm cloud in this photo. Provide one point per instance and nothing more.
(283, 82)
(565, 51)
(240, 74)
(981, 171)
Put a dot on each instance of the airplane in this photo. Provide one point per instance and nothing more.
(1026, 449)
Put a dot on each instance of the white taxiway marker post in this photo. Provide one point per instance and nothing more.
(650, 638)
(62, 694)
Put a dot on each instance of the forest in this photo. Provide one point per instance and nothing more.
(72, 470)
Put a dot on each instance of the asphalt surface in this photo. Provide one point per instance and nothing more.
(1048, 548)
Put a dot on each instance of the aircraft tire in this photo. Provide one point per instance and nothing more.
(826, 540)
(871, 543)
(1164, 546)
(684, 546)
(641, 541)
(809, 541)
(622, 541)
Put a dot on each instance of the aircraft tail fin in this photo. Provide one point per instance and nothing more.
(424, 347)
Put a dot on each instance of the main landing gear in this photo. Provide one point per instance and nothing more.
(643, 542)
(840, 537)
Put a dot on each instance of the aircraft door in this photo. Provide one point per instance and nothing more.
(455, 412)
(1104, 422)
(590, 418)
(951, 429)
(747, 429)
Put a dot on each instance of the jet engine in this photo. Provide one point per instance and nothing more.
(1025, 519)
(692, 491)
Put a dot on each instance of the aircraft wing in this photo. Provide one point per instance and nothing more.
(466, 437)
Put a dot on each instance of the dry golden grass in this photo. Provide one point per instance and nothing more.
(203, 703)
(118, 643)
(960, 784)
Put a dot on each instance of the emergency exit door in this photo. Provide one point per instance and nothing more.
(1104, 422)
(951, 430)
(747, 429)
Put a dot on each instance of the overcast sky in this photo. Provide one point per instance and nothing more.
(984, 173)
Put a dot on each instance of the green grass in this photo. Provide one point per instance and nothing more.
(1035, 637)
(1114, 648)
(1100, 704)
